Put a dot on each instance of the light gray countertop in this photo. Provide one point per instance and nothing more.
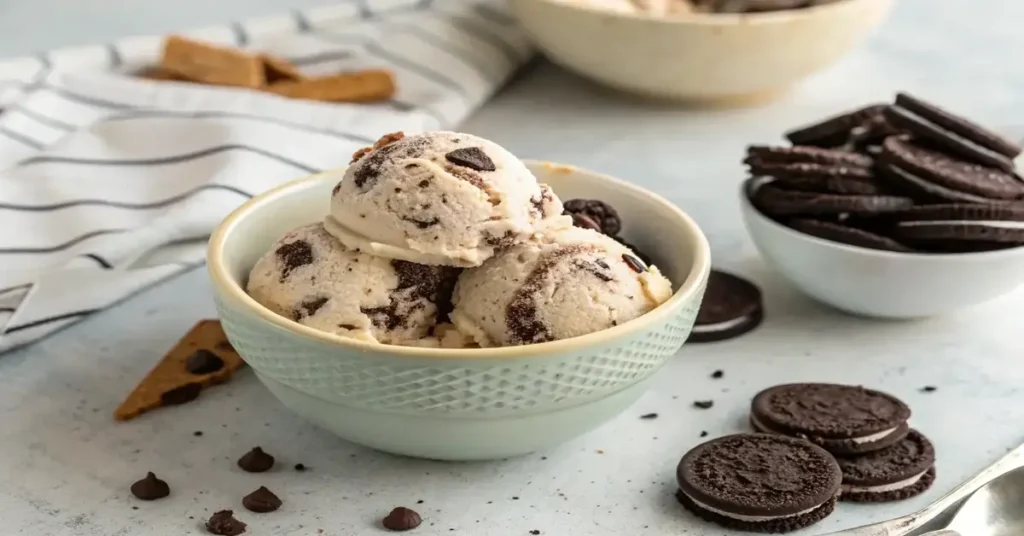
(66, 465)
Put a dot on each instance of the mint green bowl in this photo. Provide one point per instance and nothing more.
(458, 404)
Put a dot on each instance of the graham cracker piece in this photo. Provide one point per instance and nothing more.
(210, 64)
(360, 86)
(279, 70)
(170, 382)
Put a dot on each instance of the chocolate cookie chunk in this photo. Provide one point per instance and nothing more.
(807, 162)
(899, 472)
(835, 131)
(471, 157)
(256, 461)
(401, 519)
(150, 488)
(774, 201)
(952, 133)
(261, 501)
(928, 171)
(758, 482)
(843, 419)
(604, 214)
(224, 523)
(846, 235)
(960, 226)
(731, 307)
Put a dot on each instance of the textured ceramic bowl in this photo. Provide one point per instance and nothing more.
(702, 57)
(458, 404)
(880, 284)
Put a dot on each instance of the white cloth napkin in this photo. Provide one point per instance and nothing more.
(112, 183)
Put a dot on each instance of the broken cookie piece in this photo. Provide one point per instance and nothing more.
(170, 382)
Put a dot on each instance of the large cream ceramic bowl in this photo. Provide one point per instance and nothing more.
(702, 57)
(458, 404)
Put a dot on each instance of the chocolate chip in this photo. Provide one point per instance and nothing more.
(703, 433)
(309, 308)
(472, 157)
(181, 395)
(256, 461)
(649, 416)
(300, 467)
(150, 488)
(585, 222)
(203, 361)
(929, 389)
(402, 519)
(634, 263)
(293, 255)
(703, 404)
(606, 217)
(224, 523)
(261, 501)
(718, 374)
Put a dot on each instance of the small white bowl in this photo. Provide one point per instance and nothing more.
(698, 57)
(881, 284)
(458, 404)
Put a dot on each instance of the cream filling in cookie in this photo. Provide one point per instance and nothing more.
(858, 440)
(882, 488)
(742, 517)
(1001, 224)
(720, 326)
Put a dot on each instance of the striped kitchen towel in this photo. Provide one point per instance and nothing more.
(111, 183)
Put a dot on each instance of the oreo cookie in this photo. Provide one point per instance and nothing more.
(843, 419)
(759, 482)
(838, 130)
(775, 201)
(832, 185)
(731, 307)
(815, 162)
(968, 226)
(899, 472)
(844, 234)
(952, 133)
(922, 169)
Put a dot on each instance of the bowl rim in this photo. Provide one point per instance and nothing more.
(225, 285)
(750, 184)
(711, 19)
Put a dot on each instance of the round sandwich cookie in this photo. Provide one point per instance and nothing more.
(951, 132)
(759, 482)
(899, 472)
(932, 172)
(831, 185)
(961, 226)
(835, 131)
(775, 201)
(852, 236)
(731, 307)
(807, 162)
(843, 419)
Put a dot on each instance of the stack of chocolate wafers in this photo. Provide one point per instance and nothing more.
(908, 177)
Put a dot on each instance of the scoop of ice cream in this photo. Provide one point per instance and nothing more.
(573, 282)
(312, 278)
(439, 198)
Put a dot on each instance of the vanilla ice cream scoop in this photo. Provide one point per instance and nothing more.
(572, 282)
(312, 278)
(441, 198)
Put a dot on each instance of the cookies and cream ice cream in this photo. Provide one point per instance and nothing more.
(314, 279)
(441, 198)
(570, 283)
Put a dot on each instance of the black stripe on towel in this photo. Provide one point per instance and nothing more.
(21, 138)
(124, 205)
(176, 159)
(49, 320)
(60, 247)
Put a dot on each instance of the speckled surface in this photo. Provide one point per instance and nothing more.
(66, 466)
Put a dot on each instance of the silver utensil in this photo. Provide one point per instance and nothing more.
(1009, 506)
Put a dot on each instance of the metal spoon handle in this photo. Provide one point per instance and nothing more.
(904, 525)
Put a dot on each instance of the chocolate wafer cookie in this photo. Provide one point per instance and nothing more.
(843, 419)
(952, 133)
(916, 167)
(758, 482)
(838, 130)
(731, 307)
(774, 201)
(963, 227)
(807, 162)
(899, 472)
(847, 235)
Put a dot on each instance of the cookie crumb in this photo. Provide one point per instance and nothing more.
(197, 433)
(300, 467)
(718, 374)
(402, 519)
(648, 416)
(703, 404)
(929, 389)
(534, 532)
(703, 433)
